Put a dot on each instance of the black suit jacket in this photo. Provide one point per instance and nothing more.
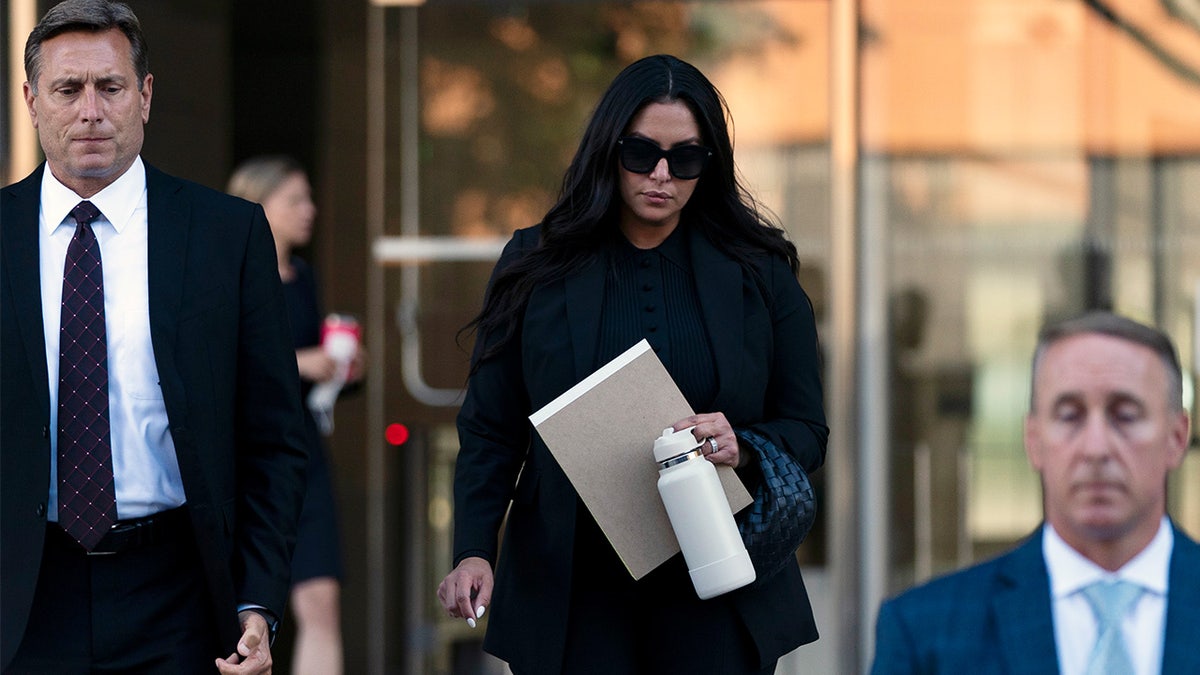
(764, 341)
(229, 383)
(995, 619)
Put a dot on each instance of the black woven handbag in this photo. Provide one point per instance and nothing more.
(783, 511)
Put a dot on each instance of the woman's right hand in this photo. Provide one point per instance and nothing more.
(467, 590)
(314, 364)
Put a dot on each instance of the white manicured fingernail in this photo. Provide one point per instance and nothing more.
(470, 622)
(479, 612)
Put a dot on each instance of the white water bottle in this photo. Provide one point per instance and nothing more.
(691, 490)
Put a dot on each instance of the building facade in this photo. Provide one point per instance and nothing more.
(953, 172)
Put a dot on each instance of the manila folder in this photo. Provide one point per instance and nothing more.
(602, 431)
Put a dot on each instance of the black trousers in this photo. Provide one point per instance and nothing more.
(140, 610)
(655, 626)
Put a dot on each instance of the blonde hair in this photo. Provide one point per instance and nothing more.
(258, 177)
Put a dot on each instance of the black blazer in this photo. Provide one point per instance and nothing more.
(765, 345)
(229, 382)
(995, 618)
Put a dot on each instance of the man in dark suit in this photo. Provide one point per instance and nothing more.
(1108, 583)
(152, 460)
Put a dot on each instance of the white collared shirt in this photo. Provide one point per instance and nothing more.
(144, 462)
(1074, 622)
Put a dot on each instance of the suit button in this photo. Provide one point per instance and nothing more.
(41, 510)
(45, 431)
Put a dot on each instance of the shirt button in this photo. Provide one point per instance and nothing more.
(645, 263)
(647, 287)
(652, 329)
(649, 308)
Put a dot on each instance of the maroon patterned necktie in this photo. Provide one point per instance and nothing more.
(87, 503)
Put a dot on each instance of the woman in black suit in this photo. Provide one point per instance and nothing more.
(652, 237)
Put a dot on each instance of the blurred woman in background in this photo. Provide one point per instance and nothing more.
(281, 186)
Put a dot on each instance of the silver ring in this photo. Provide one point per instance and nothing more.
(713, 442)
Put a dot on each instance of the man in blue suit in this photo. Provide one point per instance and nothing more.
(1105, 427)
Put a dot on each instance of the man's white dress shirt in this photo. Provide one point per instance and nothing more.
(1074, 622)
(144, 463)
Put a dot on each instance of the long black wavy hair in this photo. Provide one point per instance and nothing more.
(586, 215)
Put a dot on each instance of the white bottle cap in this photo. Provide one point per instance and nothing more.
(674, 443)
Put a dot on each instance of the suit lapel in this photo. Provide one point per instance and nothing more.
(168, 221)
(719, 286)
(1022, 610)
(585, 298)
(1180, 653)
(21, 265)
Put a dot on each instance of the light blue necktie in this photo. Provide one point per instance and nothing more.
(1110, 602)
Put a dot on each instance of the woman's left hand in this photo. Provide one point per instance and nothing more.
(720, 443)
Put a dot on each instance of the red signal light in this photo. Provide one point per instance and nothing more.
(396, 434)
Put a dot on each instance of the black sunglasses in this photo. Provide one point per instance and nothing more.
(684, 162)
